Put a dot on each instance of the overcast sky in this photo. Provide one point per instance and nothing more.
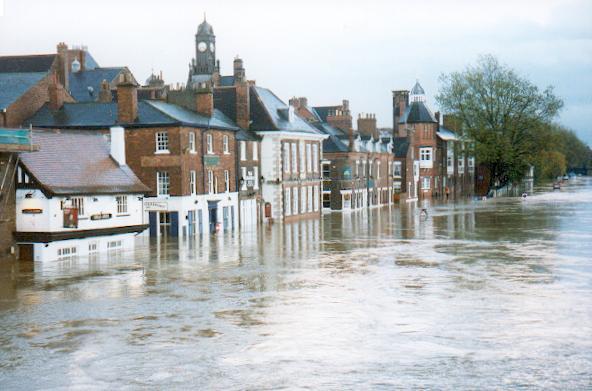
(327, 50)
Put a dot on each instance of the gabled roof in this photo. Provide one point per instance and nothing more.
(417, 112)
(25, 64)
(268, 112)
(81, 81)
(14, 85)
(400, 146)
(70, 162)
(446, 134)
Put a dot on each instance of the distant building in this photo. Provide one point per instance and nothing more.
(76, 196)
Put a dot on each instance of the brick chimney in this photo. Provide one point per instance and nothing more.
(367, 125)
(341, 117)
(63, 65)
(127, 98)
(437, 115)
(239, 70)
(204, 100)
(351, 139)
(56, 94)
(105, 95)
(400, 103)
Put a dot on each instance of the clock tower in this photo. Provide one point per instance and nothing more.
(204, 62)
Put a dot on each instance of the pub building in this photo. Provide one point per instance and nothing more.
(76, 196)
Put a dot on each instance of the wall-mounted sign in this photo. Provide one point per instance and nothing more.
(101, 216)
(70, 217)
(32, 211)
(154, 206)
(211, 160)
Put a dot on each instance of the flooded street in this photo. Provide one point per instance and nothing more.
(481, 295)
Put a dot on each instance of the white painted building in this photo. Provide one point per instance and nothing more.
(291, 152)
(76, 196)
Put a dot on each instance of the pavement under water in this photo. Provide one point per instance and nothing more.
(491, 294)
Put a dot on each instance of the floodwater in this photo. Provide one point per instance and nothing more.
(481, 295)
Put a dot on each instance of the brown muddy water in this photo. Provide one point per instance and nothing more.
(480, 295)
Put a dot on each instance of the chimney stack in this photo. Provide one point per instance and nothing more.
(351, 139)
(127, 98)
(118, 144)
(204, 100)
(367, 125)
(437, 115)
(56, 94)
(63, 70)
(239, 70)
(105, 92)
(400, 103)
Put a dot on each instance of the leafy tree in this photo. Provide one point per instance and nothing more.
(501, 112)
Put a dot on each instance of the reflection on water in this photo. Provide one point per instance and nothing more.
(491, 294)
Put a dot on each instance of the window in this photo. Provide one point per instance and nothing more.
(226, 181)
(397, 186)
(326, 200)
(243, 150)
(256, 175)
(302, 157)
(225, 144)
(66, 251)
(326, 171)
(363, 168)
(287, 202)
(114, 244)
(192, 142)
(192, 182)
(377, 170)
(162, 183)
(309, 197)
(121, 204)
(295, 201)
(471, 164)
(397, 169)
(92, 247)
(244, 178)
(286, 157)
(255, 150)
(294, 158)
(315, 157)
(316, 198)
(162, 142)
(425, 182)
(211, 187)
(78, 203)
(425, 157)
(210, 143)
(308, 159)
(461, 164)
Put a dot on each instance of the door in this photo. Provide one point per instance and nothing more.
(26, 252)
(191, 223)
(153, 224)
(213, 212)
(225, 217)
(174, 226)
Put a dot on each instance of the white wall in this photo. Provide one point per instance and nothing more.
(52, 220)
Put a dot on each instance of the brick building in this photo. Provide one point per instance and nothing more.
(183, 151)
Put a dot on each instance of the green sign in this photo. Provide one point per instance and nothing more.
(211, 160)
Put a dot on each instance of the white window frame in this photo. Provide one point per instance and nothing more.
(193, 182)
(255, 151)
(287, 202)
(162, 142)
(225, 144)
(287, 165)
(256, 175)
(315, 158)
(211, 185)
(244, 177)
(424, 183)
(121, 202)
(294, 157)
(426, 157)
(461, 164)
(397, 169)
(295, 201)
(226, 181)
(243, 150)
(163, 183)
(316, 198)
(192, 142)
(308, 158)
(309, 197)
(210, 143)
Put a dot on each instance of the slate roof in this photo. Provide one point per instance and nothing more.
(225, 101)
(205, 28)
(95, 115)
(268, 113)
(400, 146)
(187, 117)
(245, 135)
(417, 89)
(25, 64)
(417, 112)
(334, 144)
(81, 81)
(446, 134)
(70, 162)
(323, 111)
(226, 81)
(14, 85)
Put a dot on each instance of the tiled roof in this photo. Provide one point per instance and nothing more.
(81, 81)
(25, 64)
(401, 146)
(14, 85)
(70, 162)
(268, 113)
(417, 112)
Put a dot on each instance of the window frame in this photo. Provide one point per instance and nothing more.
(209, 144)
(192, 142)
(161, 185)
(121, 202)
(162, 143)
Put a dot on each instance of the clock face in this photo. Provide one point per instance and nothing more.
(211, 46)
(202, 46)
